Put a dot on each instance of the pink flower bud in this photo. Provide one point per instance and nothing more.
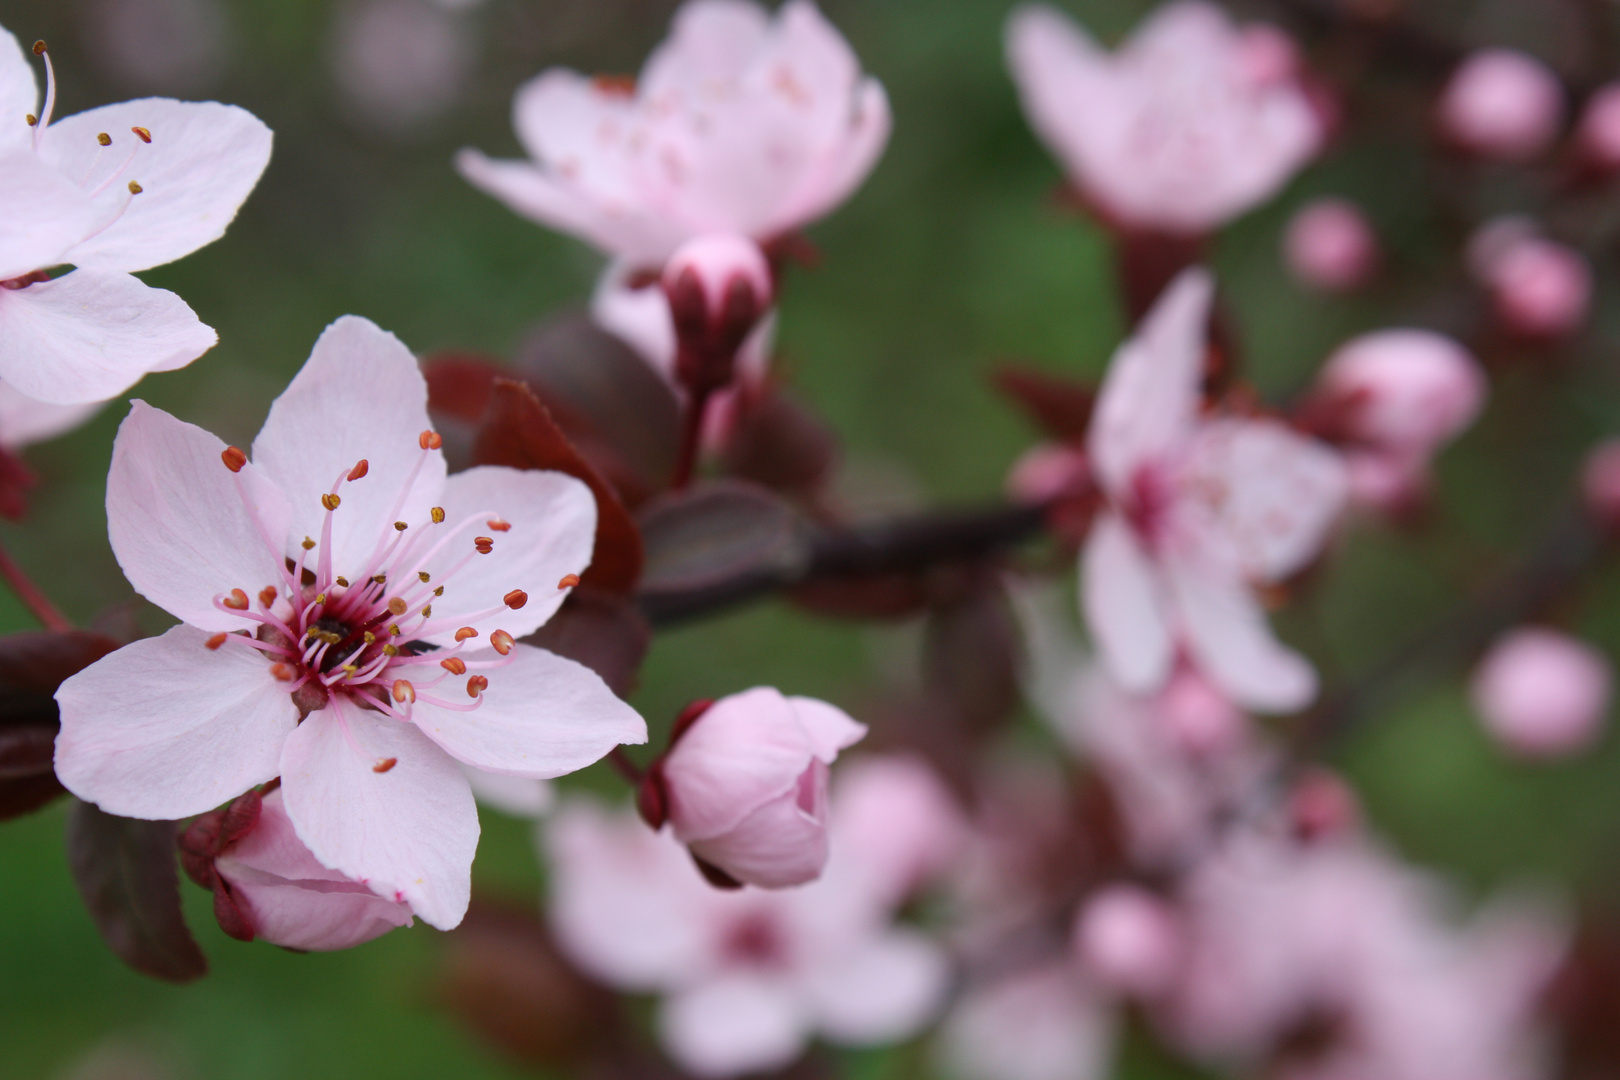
(1400, 391)
(1329, 246)
(1541, 289)
(745, 786)
(1201, 719)
(1129, 940)
(1599, 131)
(1046, 471)
(1600, 482)
(719, 287)
(294, 901)
(1542, 693)
(1502, 104)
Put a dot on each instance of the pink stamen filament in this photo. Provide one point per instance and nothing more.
(50, 100)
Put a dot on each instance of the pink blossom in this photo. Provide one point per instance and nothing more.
(1541, 289)
(1599, 130)
(291, 899)
(1046, 471)
(1542, 693)
(739, 123)
(1404, 391)
(1600, 481)
(167, 180)
(1330, 246)
(1200, 509)
(748, 976)
(1503, 104)
(1041, 1023)
(327, 589)
(1129, 940)
(745, 786)
(1192, 122)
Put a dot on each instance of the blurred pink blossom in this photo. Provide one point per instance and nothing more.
(174, 46)
(1600, 481)
(1542, 693)
(1201, 509)
(1040, 1023)
(1540, 288)
(747, 977)
(1503, 104)
(1330, 246)
(1599, 128)
(740, 122)
(1128, 939)
(745, 785)
(399, 63)
(1190, 123)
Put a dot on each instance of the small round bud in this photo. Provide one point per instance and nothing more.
(1502, 104)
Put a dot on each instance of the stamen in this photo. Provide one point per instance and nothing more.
(379, 579)
(237, 601)
(213, 643)
(515, 599)
(501, 642)
(483, 544)
(423, 576)
(455, 665)
(330, 501)
(396, 605)
(404, 692)
(233, 458)
(142, 134)
(282, 672)
(567, 581)
(44, 121)
(465, 632)
(267, 596)
(390, 650)
(104, 139)
(437, 592)
(401, 526)
(498, 525)
(429, 440)
(384, 764)
(343, 581)
(427, 612)
(134, 188)
(308, 544)
(360, 469)
(477, 685)
(437, 514)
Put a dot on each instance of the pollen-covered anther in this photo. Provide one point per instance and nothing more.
(360, 469)
(515, 599)
(308, 544)
(429, 440)
(267, 596)
(379, 579)
(282, 672)
(477, 685)
(215, 642)
(423, 576)
(237, 601)
(498, 525)
(233, 458)
(330, 501)
(142, 134)
(32, 119)
(104, 139)
(340, 580)
(437, 514)
(427, 611)
(40, 47)
(400, 526)
(501, 642)
(483, 544)
(134, 188)
(466, 632)
(439, 591)
(384, 764)
(396, 605)
(368, 637)
(393, 629)
(403, 691)
(390, 650)
(455, 665)
(567, 581)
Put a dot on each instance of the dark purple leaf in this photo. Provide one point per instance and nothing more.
(604, 631)
(716, 533)
(779, 443)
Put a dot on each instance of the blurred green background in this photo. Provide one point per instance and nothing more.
(955, 256)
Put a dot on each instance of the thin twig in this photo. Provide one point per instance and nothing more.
(32, 596)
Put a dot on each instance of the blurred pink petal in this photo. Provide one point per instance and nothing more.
(1330, 246)
(1542, 693)
(1402, 391)
(1504, 104)
(1128, 939)
(1040, 1024)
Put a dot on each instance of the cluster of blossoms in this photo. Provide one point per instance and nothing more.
(431, 584)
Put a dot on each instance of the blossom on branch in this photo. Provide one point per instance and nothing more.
(348, 623)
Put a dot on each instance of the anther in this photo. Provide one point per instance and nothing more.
(423, 576)
(379, 579)
(501, 642)
(396, 605)
(308, 544)
(403, 691)
(360, 469)
(437, 514)
(567, 581)
(320, 598)
(477, 685)
(384, 764)
(515, 599)
(483, 544)
(429, 440)
(233, 458)
(217, 640)
(439, 591)
(455, 665)
(390, 650)
(368, 637)
(466, 632)
(32, 119)
(400, 526)
(343, 581)
(40, 47)
(498, 525)
(134, 188)
(331, 502)
(267, 596)
(393, 629)
(427, 611)
(237, 601)
(282, 672)
(142, 134)
(104, 139)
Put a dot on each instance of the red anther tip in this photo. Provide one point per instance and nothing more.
(498, 525)
(515, 599)
(233, 458)
(466, 632)
(237, 601)
(267, 595)
(455, 665)
(142, 134)
(214, 642)
(567, 581)
(39, 47)
(483, 544)
(429, 440)
(477, 685)
(501, 642)
(360, 469)
(403, 691)
(385, 764)
(282, 672)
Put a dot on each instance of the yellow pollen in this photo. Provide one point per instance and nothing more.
(423, 576)
(32, 119)
(390, 650)
(368, 637)
(396, 605)
(134, 188)
(427, 612)
(437, 514)
(104, 139)
(320, 598)
(343, 581)
(393, 630)
(330, 501)
(380, 579)
(308, 544)
(401, 526)
(439, 591)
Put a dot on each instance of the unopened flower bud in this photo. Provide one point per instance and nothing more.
(745, 785)
(1599, 133)
(1404, 391)
(719, 287)
(1600, 483)
(1330, 246)
(1540, 288)
(1542, 693)
(1129, 940)
(1502, 104)
(1048, 471)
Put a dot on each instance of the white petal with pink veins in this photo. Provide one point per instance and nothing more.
(407, 829)
(542, 715)
(178, 522)
(19, 93)
(885, 990)
(360, 395)
(733, 1025)
(552, 529)
(45, 212)
(1123, 601)
(165, 727)
(92, 334)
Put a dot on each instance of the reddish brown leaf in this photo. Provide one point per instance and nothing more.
(779, 443)
(604, 631)
(1060, 407)
(460, 384)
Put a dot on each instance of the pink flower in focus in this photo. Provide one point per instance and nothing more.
(1190, 123)
(739, 123)
(1129, 940)
(291, 899)
(1200, 509)
(113, 190)
(327, 590)
(1042, 1023)
(745, 785)
(1542, 693)
(1600, 482)
(1502, 104)
(1599, 130)
(1330, 246)
(748, 976)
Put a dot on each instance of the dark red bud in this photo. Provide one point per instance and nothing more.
(232, 917)
(651, 800)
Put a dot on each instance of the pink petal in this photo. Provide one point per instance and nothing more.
(19, 93)
(178, 523)
(360, 395)
(46, 213)
(1037, 1024)
(1226, 633)
(734, 1025)
(885, 991)
(1058, 70)
(895, 824)
(541, 716)
(1122, 599)
(779, 843)
(709, 39)
(202, 162)
(515, 796)
(829, 727)
(164, 727)
(24, 420)
(748, 749)
(408, 833)
(851, 160)
(92, 334)
(1149, 401)
(552, 519)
